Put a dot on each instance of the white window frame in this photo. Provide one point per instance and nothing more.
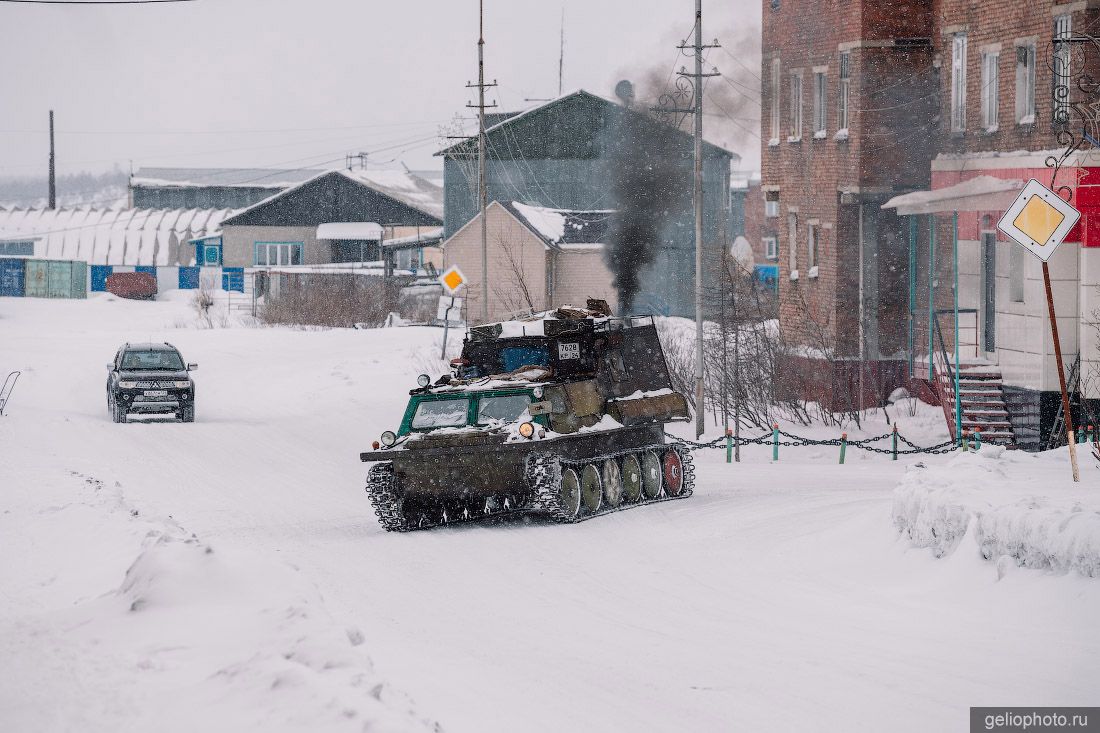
(777, 84)
(771, 248)
(1025, 83)
(792, 244)
(795, 120)
(820, 108)
(1063, 28)
(991, 80)
(842, 94)
(771, 204)
(958, 82)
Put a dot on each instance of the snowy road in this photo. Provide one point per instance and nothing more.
(777, 598)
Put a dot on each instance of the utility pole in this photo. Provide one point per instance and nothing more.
(697, 80)
(561, 53)
(482, 191)
(53, 170)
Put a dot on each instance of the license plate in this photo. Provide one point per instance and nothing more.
(156, 393)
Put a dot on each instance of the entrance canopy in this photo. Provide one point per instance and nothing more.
(350, 230)
(984, 193)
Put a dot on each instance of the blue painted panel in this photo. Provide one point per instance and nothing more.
(100, 273)
(146, 268)
(12, 273)
(768, 276)
(189, 278)
(514, 357)
(233, 279)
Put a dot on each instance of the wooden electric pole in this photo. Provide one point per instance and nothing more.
(53, 171)
(482, 190)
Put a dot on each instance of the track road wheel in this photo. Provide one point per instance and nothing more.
(612, 479)
(591, 489)
(570, 493)
(651, 475)
(632, 479)
(385, 496)
(187, 414)
(673, 473)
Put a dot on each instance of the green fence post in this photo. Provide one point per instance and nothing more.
(775, 442)
(895, 442)
(729, 446)
(1091, 434)
(843, 446)
(1080, 436)
(977, 438)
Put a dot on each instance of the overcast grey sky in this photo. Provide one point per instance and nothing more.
(293, 83)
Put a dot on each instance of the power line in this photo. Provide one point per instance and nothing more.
(95, 2)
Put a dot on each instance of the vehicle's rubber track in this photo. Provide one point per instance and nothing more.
(543, 474)
(382, 490)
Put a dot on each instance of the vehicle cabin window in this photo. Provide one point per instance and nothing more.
(152, 360)
(441, 413)
(503, 407)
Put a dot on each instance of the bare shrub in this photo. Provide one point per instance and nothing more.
(336, 300)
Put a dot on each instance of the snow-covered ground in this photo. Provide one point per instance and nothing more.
(230, 575)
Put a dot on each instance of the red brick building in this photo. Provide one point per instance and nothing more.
(848, 100)
(863, 101)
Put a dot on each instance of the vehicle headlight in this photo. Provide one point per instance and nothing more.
(182, 384)
(388, 438)
(537, 392)
(423, 380)
(527, 429)
(128, 385)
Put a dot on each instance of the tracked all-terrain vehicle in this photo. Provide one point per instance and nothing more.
(561, 414)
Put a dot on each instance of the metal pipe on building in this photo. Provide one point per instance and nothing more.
(699, 419)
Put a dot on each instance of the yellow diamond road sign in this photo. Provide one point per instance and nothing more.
(1039, 219)
(452, 279)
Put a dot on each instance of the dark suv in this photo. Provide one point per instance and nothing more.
(150, 379)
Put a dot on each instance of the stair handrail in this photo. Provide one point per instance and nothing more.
(7, 388)
(943, 377)
(1057, 437)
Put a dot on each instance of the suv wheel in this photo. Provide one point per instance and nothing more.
(119, 412)
(187, 414)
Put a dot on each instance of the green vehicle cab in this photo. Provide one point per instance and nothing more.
(432, 411)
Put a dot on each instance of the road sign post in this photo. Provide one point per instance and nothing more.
(452, 281)
(1039, 220)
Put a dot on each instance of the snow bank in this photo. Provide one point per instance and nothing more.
(1012, 505)
(194, 637)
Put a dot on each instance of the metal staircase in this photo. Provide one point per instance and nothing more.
(1057, 436)
(981, 396)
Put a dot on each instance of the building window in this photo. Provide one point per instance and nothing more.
(958, 82)
(269, 254)
(1016, 264)
(796, 108)
(1062, 30)
(24, 248)
(819, 105)
(792, 244)
(990, 91)
(771, 203)
(813, 237)
(1025, 84)
(771, 248)
(776, 77)
(842, 97)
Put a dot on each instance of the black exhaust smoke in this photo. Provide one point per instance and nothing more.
(648, 187)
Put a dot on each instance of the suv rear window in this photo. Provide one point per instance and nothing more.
(441, 413)
(158, 359)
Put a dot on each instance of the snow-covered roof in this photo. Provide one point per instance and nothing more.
(202, 177)
(406, 187)
(562, 227)
(428, 236)
(982, 193)
(350, 230)
(403, 186)
(110, 236)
